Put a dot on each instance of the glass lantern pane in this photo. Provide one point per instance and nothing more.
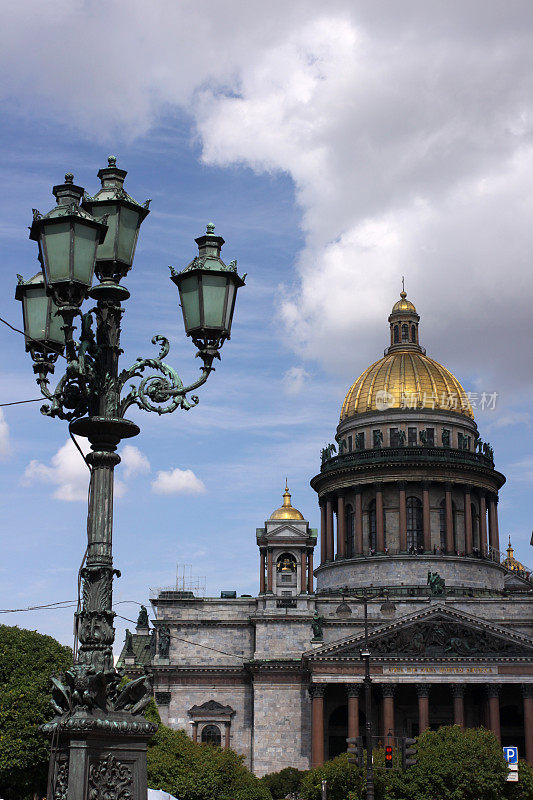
(127, 231)
(55, 333)
(57, 244)
(84, 252)
(106, 251)
(229, 308)
(36, 311)
(214, 292)
(190, 303)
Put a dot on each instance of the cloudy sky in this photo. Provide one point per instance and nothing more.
(336, 148)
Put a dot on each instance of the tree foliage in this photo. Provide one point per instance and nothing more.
(192, 771)
(285, 782)
(27, 660)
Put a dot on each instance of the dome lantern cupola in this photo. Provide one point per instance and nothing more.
(403, 321)
(287, 511)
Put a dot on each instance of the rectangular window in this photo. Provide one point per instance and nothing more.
(349, 444)
(286, 594)
(394, 437)
(411, 436)
(430, 433)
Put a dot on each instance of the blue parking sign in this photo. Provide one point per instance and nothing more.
(511, 754)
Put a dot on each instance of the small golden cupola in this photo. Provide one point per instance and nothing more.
(286, 511)
(511, 562)
(403, 321)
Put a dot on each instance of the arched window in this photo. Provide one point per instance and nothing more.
(413, 333)
(396, 334)
(350, 531)
(286, 563)
(405, 333)
(211, 735)
(415, 531)
(475, 528)
(372, 537)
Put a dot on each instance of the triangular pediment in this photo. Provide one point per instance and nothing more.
(286, 532)
(438, 632)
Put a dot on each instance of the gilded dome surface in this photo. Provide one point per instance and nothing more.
(403, 304)
(286, 511)
(406, 379)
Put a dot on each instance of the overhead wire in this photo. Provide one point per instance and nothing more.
(31, 339)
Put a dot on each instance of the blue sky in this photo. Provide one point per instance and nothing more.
(335, 151)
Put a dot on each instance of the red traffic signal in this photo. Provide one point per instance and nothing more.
(388, 757)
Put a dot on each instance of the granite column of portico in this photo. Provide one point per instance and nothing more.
(483, 522)
(450, 544)
(468, 522)
(323, 533)
(493, 694)
(310, 572)
(330, 555)
(270, 570)
(352, 690)
(358, 522)
(402, 517)
(303, 573)
(527, 695)
(426, 517)
(494, 537)
(387, 690)
(341, 527)
(380, 532)
(423, 706)
(458, 693)
(317, 724)
(262, 572)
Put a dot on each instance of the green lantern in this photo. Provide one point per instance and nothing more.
(67, 237)
(124, 216)
(208, 290)
(42, 324)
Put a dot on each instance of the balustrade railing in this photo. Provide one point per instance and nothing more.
(407, 453)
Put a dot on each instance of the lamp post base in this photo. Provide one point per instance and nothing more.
(97, 757)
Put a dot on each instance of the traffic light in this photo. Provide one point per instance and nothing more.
(388, 756)
(409, 752)
(355, 750)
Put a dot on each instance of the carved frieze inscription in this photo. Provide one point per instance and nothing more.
(422, 669)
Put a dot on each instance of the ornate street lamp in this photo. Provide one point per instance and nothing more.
(99, 733)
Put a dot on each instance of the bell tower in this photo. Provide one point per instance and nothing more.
(286, 545)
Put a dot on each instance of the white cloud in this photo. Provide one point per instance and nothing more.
(294, 380)
(69, 474)
(5, 445)
(177, 481)
(407, 130)
(135, 462)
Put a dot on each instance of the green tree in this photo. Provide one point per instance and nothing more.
(286, 781)
(194, 771)
(345, 782)
(453, 764)
(27, 660)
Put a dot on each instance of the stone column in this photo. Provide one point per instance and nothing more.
(262, 573)
(483, 523)
(317, 724)
(310, 586)
(423, 706)
(469, 543)
(341, 527)
(494, 538)
(402, 517)
(226, 735)
(323, 534)
(527, 694)
(358, 522)
(303, 573)
(380, 534)
(330, 555)
(458, 693)
(449, 519)
(194, 727)
(426, 517)
(493, 694)
(387, 690)
(353, 709)
(270, 570)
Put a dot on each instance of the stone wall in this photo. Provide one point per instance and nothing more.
(282, 726)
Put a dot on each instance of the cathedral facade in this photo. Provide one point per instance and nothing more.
(409, 537)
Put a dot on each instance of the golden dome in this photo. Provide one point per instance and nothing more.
(403, 304)
(286, 511)
(406, 379)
